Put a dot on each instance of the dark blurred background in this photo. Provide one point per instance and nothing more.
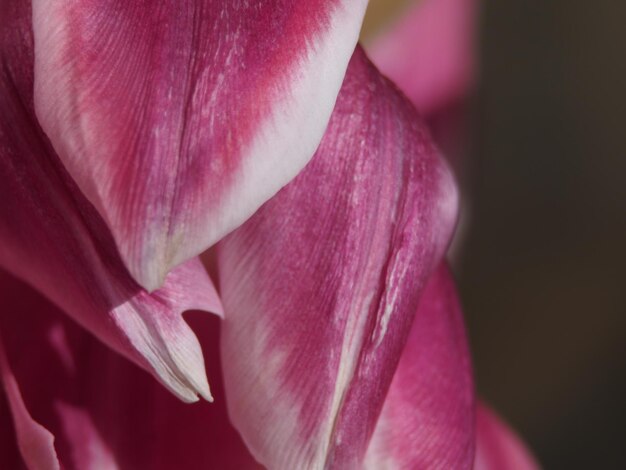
(541, 264)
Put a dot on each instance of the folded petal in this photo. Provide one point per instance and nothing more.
(497, 447)
(104, 412)
(427, 420)
(321, 285)
(35, 442)
(179, 119)
(429, 53)
(53, 238)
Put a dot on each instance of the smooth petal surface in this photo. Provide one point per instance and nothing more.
(9, 452)
(105, 413)
(321, 285)
(35, 442)
(53, 238)
(429, 53)
(497, 447)
(179, 119)
(427, 421)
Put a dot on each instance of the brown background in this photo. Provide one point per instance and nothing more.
(541, 270)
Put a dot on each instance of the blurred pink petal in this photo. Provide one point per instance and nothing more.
(178, 120)
(429, 52)
(88, 449)
(428, 416)
(103, 411)
(52, 237)
(497, 446)
(9, 452)
(321, 285)
(35, 442)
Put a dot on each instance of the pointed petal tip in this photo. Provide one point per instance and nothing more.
(179, 360)
(200, 385)
(160, 339)
(190, 396)
(189, 389)
(150, 276)
(150, 267)
(180, 366)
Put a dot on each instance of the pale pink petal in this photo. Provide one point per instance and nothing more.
(53, 238)
(497, 447)
(427, 420)
(430, 52)
(321, 285)
(179, 119)
(35, 442)
(104, 412)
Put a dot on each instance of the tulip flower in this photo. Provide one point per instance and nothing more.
(136, 135)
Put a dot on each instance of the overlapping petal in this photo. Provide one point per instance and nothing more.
(104, 412)
(321, 285)
(497, 447)
(427, 421)
(429, 52)
(178, 119)
(53, 238)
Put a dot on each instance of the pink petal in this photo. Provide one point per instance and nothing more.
(9, 452)
(428, 416)
(429, 53)
(321, 285)
(104, 412)
(179, 120)
(51, 237)
(35, 442)
(89, 451)
(497, 447)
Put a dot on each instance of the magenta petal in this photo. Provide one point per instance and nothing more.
(429, 53)
(9, 452)
(35, 442)
(104, 412)
(52, 237)
(179, 120)
(427, 420)
(321, 285)
(497, 447)
(88, 449)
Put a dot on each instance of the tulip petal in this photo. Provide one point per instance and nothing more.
(427, 420)
(429, 52)
(53, 238)
(178, 120)
(497, 447)
(320, 286)
(35, 442)
(89, 451)
(9, 452)
(104, 412)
